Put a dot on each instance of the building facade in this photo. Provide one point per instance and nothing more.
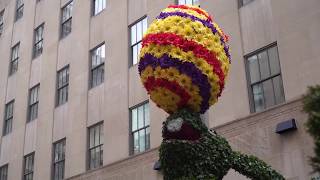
(73, 107)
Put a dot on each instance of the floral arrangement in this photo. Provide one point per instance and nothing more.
(184, 62)
(184, 59)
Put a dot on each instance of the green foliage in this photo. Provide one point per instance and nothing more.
(208, 158)
(312, 108)
(253, 168)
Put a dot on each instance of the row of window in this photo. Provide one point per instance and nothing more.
(139, 135)
(96, 78)
(137, 31)
(28, 167)
(66, 14)
(98, 6)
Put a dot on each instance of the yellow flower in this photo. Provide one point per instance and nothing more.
(147, 72)
(212, 100)
(188, 31)
(184, 81)
(176, 30)
(163, 73)
(157, 72)
(165, 99)
(173, 73)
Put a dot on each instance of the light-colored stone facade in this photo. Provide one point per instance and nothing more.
(293, 24)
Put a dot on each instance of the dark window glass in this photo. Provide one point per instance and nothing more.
(8, 117)
(254, 69)
(95, 146)
(28, 167)
(4, 172)
(66, 19)
(33, 103)
(274, 61)
(59, 149)
(98, 6)
(1, 21)
(14, 59)
(19, 9)
(62, 85)
(244, 2)
(98, 56)
(137, 31)
(189, 2)
(38, 40)
(140, 129)
(265, 79)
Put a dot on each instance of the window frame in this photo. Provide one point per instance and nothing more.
(15, 60)
(91, 85)
(64, 141)
(241, 4)
(93, 6)
(4, 176)
(131, 63)
(18, 8)
(37, 88)
(262, 80)
(64, 22)
(8, 119)
(66, 85)
(32, 154)
(185, 3)
(131, 133)
(35, 53)
(100, 146)
(2, 21)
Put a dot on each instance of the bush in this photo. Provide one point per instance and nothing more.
(312, 108)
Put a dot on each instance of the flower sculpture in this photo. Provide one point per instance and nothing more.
(183, 65)
(184, 59)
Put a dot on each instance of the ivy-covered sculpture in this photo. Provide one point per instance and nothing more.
(184, 61)
(190, 151)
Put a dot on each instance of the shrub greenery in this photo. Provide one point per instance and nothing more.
(311, 106)
(208, 158)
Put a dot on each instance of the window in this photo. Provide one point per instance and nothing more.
(14, 59)
(62, 85)
(33, 103)
(28, 167)
(8, 117)
(189, 2)
(66, 19)
(137, 31)
(95, 146)
(97, 65)
(38, 40)
(98, 6)
(4, 172)
(59, 149)
(265, 80)
(244, 2)
(140, 129)
(1, 22)
(19, 9)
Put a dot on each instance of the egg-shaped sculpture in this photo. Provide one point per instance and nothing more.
(184, 59)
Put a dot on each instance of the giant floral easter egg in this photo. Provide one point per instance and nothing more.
(184, 59)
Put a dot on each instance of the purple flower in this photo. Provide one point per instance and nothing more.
(187, 68)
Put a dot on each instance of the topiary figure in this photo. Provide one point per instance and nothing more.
(190, 151)
(184, 62)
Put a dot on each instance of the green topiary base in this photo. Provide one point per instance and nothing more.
(207, 158)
